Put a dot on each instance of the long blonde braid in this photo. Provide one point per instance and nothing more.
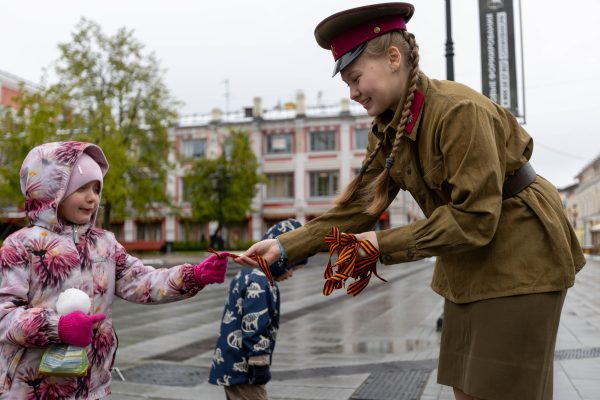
(380, 186)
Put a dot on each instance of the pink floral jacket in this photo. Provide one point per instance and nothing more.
(37, 263)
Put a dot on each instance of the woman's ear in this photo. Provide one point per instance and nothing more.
(395, 58)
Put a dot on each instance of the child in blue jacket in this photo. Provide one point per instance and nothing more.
(242, 357)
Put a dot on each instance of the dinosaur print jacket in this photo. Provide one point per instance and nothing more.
(248, 328)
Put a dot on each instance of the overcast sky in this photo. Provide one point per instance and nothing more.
(266, 48)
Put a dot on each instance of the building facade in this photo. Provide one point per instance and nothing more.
(10, 86)
(306, 153)
(9, 89)
(583, 206)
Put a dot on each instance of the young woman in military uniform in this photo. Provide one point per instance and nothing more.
(506, 253)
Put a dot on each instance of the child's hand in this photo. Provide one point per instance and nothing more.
(259, 375)
(76, 328)
(211, 270)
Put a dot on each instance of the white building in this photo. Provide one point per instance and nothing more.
(307, 154)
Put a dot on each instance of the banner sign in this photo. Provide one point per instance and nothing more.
(498, 63)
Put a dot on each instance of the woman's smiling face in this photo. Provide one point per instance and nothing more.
(375, 82)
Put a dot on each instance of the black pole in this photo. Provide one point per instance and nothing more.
(449, 44)
(524, 122)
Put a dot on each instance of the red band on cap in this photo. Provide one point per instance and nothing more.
(360, 34)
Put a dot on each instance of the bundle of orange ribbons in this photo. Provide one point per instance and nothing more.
(348, 265)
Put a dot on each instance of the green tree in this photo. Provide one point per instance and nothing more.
(222, 189)
(110, 93)
(37, 120)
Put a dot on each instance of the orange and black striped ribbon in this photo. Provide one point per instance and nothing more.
(347, 265)
(262, 263)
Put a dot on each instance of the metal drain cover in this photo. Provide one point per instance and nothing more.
(399, 385)
(165, 375)
(590, 352)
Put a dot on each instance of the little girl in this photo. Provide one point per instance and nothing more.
(60, 249)
(506, 253)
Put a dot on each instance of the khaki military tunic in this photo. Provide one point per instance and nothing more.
(454, 157)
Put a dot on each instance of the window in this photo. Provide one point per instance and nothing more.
(280, 186)
(279, 143)
(149, 231)
(323, 183)
(323, 141)
(186, 193)
(191, 231)
(360, 138)
(193, 148)
(117, 228)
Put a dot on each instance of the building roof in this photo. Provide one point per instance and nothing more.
(587, 166)
(274, 114)
(13, 81)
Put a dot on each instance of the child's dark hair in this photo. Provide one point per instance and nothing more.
(377, 192)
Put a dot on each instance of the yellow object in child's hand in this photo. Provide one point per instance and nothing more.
(64, 360)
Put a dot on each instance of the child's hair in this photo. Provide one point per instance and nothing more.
(377, 192)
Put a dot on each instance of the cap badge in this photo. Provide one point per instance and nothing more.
(376, 29)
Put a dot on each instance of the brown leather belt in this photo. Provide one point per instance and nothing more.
(518, 181)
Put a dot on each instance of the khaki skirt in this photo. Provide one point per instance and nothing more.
(501, 348)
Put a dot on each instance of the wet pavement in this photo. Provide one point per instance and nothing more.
(381, 344)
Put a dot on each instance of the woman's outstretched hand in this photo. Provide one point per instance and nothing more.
(267, 249)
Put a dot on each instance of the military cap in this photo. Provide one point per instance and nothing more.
(347, 32)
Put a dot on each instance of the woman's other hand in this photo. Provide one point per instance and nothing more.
(371, 237)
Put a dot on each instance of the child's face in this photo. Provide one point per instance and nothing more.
(81, 205)
(374, 82)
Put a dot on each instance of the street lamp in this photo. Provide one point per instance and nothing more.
(219, 180)
(449, 44)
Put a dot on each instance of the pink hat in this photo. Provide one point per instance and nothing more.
(85, 170)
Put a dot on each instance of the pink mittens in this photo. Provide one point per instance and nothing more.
(211, 270)
(76, 328)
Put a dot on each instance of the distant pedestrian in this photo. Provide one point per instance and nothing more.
(61, 249)
(242, 358)
(505, 251)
